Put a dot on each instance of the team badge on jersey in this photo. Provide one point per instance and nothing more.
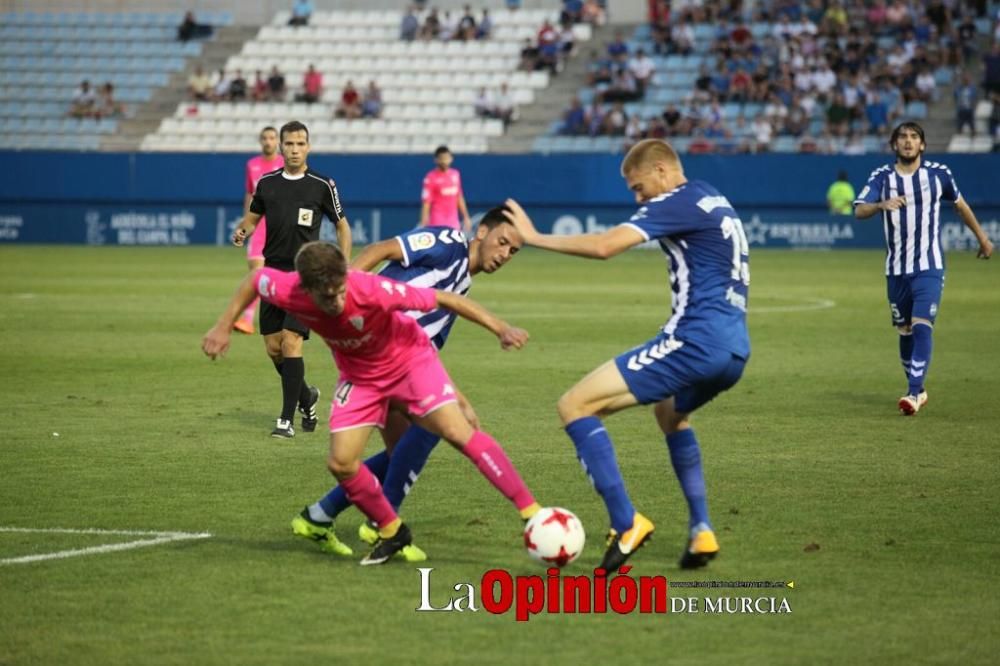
(420, 241)
(305, 217)
(357, 322)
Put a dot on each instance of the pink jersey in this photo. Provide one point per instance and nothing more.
(372, 339)
(257, 167)
(442, 190)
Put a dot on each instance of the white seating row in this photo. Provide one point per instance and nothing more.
(292, 66)
(396, 48)
(477, 127)
(265, 111)
(320, 144)
(393, 18)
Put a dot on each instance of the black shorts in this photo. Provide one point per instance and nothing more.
(274, 320)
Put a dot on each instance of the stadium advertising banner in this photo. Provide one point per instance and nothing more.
(213, 225)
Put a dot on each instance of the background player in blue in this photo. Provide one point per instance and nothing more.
(700, 352)
(438, 257)
(909, 195)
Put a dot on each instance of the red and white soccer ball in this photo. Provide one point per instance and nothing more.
(554, 536)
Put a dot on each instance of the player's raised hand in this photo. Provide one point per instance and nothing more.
(985, 249)
(216, 341)
(520, 220)
(512, 336)
(894, 203)
(239, 236)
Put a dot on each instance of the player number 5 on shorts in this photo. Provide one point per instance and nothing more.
(732, 229)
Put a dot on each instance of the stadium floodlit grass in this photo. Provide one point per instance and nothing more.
(887, 525)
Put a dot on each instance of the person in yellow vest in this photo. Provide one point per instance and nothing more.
(840, 196)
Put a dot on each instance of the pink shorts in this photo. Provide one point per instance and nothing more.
(255, 248)
(421, 386)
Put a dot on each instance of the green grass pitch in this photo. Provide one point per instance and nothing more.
(102, 347)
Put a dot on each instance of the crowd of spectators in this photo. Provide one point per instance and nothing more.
(825, 72)
(235, 87)
(444, 26)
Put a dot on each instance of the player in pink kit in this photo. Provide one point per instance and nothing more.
(442, 196)
(384, 357)
(269, 160)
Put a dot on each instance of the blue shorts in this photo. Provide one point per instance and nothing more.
(665, 367)
(916, 295)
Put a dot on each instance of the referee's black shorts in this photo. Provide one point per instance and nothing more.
(274, 320)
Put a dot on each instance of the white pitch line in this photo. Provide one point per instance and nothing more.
(160, 538)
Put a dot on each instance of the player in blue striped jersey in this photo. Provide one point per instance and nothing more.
(909, 195)
(441, 258)
(699, 353)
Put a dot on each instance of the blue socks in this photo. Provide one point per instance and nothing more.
(597, 455)
(906, 352)
(408, 459)
(336, 500)
(686, 459)
(921, 358)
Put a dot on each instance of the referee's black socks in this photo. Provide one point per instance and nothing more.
(293, 373)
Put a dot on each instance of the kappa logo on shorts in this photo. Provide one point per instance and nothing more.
(653, 354)
(448, 390)
(420, 241)
(265, 287)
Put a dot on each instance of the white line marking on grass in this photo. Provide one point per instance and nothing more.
(158, 539)
(806, 305)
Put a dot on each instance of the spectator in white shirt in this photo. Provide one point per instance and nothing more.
(643, 68)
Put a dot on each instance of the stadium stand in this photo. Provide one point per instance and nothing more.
(45, 56)
(429, 87)
(779, 76)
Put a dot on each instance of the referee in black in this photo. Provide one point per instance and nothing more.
(294, 199)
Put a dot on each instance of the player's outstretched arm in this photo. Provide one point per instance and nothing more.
(376, 253)
(216, 341)
(969, 218)
(425, 213)
(594, 246)
(344, 237)
(466, 308)
(863, 211)
(245, 228)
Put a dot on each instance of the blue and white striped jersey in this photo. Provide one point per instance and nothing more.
(912, 233)
(703, 238)
(435, 257)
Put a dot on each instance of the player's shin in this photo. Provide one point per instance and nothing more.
(493, 463)
(293, 372)
(685, 457)
(365, 492)
(335, 502)
(597, 455)
(921, 359)
(408, 460)
(906, 352)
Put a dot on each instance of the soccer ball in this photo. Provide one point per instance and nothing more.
(554, 536)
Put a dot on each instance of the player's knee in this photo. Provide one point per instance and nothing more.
(905, 329)
(342, 469)
(570, 409)
(291, 346)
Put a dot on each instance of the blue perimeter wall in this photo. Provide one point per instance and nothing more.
(180, 199)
